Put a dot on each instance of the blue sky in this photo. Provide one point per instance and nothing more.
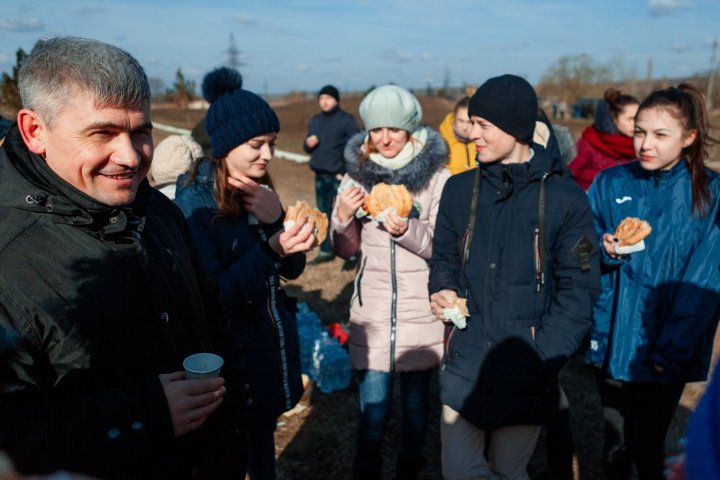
(304, 44)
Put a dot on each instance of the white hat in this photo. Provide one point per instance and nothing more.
(392, 107)
(173, 157)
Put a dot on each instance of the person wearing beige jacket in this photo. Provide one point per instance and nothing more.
(392, 328)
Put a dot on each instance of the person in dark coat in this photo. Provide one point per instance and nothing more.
(328, 132)
(515, 238)
(101, 294)
(236, 220)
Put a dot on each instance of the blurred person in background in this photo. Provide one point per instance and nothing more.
(392, 329)
(654, 324)
(609, 140)
(101, 293)
(236, 221)
(328, 132)
(173, 156)
(454, 129)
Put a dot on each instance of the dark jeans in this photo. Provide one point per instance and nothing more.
(326, 187)
(375, 407)
(261, 448)
(637, 419)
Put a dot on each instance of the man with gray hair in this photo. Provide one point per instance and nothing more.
(101, 294)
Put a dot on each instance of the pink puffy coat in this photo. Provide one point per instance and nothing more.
(391, 325)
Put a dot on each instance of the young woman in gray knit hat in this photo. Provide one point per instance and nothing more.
(236, 221)
(392, 329)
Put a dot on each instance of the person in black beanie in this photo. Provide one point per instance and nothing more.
(514, 237)
(328, 132)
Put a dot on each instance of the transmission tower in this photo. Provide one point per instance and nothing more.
(233, 54)
(711, 75)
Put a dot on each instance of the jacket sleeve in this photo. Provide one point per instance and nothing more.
(418, 238)
(244, 276)
(311, 131)
(697, 298)
(445, 260)
(575, 288)
(43, 433)
(344, 237)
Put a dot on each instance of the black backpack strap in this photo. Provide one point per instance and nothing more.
(471, 221)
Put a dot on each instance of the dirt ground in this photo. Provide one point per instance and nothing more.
(317, 442)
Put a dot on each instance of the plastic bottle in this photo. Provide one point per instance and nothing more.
(331, 365)
(309, 329)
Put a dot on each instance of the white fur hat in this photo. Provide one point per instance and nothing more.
(173, 156)
(391, 106)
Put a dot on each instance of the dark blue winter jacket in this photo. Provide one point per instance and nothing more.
(248, 274)
(658, 306)
(501, 370)
(333, 129)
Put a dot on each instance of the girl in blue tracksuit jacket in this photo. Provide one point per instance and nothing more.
(654, 323)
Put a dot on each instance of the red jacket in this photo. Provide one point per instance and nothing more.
(597, 151)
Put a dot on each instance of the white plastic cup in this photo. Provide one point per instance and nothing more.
(202, 365)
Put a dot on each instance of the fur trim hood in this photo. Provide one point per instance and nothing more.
(415, 175)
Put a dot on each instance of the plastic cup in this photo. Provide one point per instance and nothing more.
(202, 365)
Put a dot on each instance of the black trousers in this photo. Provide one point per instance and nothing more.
(637, 418)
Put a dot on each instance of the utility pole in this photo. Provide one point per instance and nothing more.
(711, 75)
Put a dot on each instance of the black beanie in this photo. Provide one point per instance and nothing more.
(509, 102)
(330, 90)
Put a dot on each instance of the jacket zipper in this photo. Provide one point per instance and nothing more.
(358, 281)
(393, 308)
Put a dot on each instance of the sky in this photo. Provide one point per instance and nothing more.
(301, 45)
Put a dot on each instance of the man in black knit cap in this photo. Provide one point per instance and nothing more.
(328, 132)
(515, 238)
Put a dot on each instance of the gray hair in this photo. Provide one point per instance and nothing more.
(62, 67)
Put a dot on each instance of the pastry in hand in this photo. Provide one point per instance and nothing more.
(461, 304)
(383, 196)
(302, 208)
(631, 230)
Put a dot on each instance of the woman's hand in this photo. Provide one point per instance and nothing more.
(608, 240)
(441, 300)
(394, 223)
(349, 200)
(263, 203)
(295, 239)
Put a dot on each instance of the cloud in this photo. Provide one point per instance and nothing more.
(681, 48)
(663, 7)
(4, 58)
(396, 56)
(89, 10)
(243, 20)
(22, 24)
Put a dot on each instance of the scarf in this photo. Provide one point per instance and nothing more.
(417, 139)
(612, 145)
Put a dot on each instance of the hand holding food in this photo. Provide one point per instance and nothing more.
(318, 218)
(631, 230)
(383, 196)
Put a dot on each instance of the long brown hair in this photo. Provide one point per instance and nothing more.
(227, 197)
(686, 103)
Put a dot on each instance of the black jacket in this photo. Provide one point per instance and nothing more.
(333, 129)
(495, 372)
(100, 300)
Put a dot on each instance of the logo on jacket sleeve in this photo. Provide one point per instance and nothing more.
(582, 250)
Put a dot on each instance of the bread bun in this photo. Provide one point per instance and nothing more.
(302, 208)
(461, 304)
(631, 230)
(383, 196)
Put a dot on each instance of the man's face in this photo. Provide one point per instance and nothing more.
(104, 152)
(491, 143)
(327, 102)
(462, 124)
